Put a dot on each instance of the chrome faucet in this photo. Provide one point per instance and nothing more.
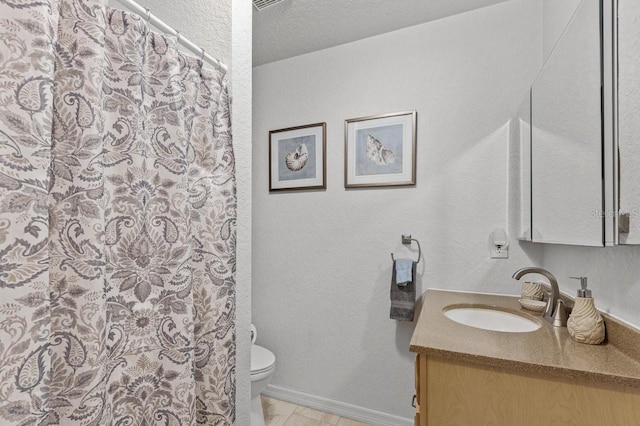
(555, 312)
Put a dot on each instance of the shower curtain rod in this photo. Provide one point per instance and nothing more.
(156, 22)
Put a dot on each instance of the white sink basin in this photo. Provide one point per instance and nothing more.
(489, 318)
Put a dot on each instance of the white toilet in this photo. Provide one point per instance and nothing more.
(263, 363)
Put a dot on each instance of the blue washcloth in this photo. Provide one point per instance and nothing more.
(404, 271)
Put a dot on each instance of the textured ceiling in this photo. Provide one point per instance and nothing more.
(295, 27)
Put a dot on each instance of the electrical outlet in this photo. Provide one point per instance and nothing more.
(499, 252)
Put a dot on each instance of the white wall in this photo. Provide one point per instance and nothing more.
(613, 272)
(321, 263)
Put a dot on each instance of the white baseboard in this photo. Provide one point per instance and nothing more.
(353, 412)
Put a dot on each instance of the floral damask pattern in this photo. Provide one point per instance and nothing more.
(117, 223)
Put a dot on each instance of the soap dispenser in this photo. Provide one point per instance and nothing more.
(585, 323)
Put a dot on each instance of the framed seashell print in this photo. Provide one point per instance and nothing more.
(297, 158)
(380, 150)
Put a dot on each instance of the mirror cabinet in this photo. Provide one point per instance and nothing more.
(578, 129)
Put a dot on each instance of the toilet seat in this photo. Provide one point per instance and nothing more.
(262, 362)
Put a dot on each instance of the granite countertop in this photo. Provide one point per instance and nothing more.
(548, 350)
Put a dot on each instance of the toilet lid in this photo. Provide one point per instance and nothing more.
(261, 358)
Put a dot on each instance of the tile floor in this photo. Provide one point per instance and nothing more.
(281, 413)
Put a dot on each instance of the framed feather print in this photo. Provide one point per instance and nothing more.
(297, 158)
(380, 150)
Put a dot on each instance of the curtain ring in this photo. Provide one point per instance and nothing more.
(148, 14)
(177, 38)
(203, 53)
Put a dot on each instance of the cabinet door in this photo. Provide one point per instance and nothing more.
(629, 118)
(566, 136)
(416, 421)
(421, 390)
(462, 393)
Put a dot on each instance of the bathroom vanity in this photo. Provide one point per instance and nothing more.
(466, 375)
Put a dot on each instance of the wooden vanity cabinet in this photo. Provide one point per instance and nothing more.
(450, 392)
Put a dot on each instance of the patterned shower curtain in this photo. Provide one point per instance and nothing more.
(117, 223)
